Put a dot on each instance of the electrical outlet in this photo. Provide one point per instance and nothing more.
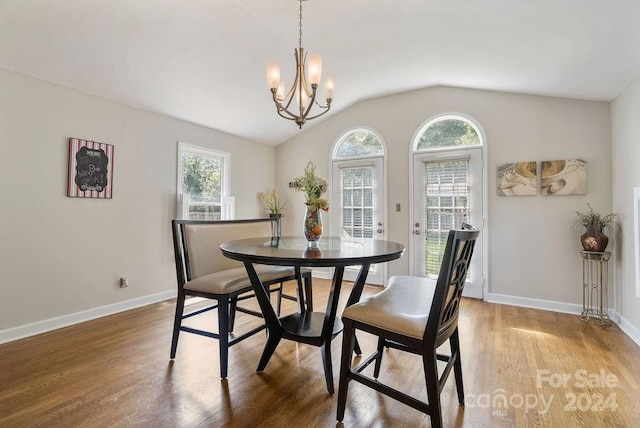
(124, 282)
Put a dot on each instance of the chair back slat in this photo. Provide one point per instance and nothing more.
(445, 306)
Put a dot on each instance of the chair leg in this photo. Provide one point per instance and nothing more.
(300, 297)
(177, 323)
(279, 302)
(433, 392)
(348, 336)
(223, 333)
(328, 367)
(308, 290)
(376, 370)
(233, 304)
(454, 342)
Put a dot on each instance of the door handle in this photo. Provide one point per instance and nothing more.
(416, 232)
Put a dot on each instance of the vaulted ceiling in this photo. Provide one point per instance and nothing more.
(203, 61)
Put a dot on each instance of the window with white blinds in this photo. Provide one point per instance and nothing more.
(357, 185)
(446, 205)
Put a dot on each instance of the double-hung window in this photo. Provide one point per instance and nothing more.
(203, 184)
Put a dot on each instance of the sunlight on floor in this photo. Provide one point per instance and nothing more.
(524, 330)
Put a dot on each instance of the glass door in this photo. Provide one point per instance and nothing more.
(447, 192)
(358, 206)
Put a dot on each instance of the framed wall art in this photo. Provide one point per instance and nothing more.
(563, 177)
(90, 172)
(517, 179)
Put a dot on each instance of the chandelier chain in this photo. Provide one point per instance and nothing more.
(300, 33)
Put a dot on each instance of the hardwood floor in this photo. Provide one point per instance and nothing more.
(522, 368)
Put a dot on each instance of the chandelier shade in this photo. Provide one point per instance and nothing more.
(296, 103)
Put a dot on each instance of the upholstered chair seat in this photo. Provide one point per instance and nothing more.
(402, 307)
(232, 280)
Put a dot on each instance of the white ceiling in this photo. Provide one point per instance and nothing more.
(203, 61)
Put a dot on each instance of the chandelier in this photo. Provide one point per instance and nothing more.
(296, 104)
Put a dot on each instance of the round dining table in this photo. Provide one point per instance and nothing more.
(314, 328)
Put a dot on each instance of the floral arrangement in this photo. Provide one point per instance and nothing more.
(314, 187)
(271, 202)
(593, 220)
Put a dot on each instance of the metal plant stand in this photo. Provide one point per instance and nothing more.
(595, 291)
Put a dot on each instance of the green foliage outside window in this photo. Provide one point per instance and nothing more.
(201, 179)
(448, 133)
(359, 143)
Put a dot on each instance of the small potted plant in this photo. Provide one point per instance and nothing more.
(272, 205)
(594, 239)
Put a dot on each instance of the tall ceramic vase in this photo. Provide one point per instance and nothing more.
(312, 226)
(594, 240)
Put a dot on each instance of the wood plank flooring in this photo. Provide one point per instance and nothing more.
(522, 368)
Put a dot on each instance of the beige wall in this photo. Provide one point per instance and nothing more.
(625, 113)
(61, 255)
(533, 254)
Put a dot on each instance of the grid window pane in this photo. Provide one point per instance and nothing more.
(446, 197)
(357, 201)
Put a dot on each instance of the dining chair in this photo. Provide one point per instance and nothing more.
(416, 315)
(203, 271)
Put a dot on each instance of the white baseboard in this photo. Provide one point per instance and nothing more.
(546, 305)
(629, 329)
(39, 327)
(567, 308)
(32, 329)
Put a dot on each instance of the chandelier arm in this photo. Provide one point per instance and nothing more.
(326, 109)
(286, 117)
(288, 98)
(282, 108)
(322, 106)
(290, 94)
(292, 115)
(303, 73)
(312, 100)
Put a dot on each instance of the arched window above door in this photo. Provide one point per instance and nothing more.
(358, 143)
(447, 131)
